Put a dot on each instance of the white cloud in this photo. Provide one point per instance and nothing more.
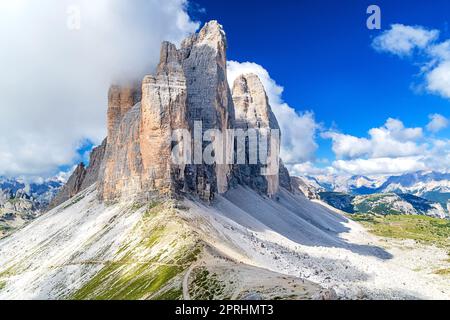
(380, 165)
(345, 145)
(437, 123)
(438, 79)
(309, 168)
(390, 149)
(54, 80)
(440, 51)
(390, 140)
(298, 130)
(403, 40)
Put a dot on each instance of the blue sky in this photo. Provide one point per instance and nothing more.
(321, 53)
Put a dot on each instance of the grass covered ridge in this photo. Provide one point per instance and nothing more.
(152, 262)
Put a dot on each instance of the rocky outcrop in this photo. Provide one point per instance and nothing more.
(95, 162)
(252, 108)
(138, 157)
(299, 186)
(284, 177)
(71, 188)
(253, 111)
(82, 177)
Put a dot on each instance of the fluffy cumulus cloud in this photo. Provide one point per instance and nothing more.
(58, 59)
(424, 44)
(390, 140)
(403, 40)
(437, 123)
(390, 149)
(298, 129)
(380, 165)
(310, 168)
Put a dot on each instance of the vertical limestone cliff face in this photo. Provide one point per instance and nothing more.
(163, 111)
(95, 162)
(285, 180)
(121, 169)
(120, 100)
(253, 111)
(209, 101)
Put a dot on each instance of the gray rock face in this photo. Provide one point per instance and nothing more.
(82, 177)
(71, 188)
(95, 161)
(253, 111)
(121, 98)
(252, 108)
(120, 172)
(209, 100)
(285, 178)
(163, 110)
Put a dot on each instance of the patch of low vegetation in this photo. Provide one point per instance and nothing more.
(172, 294)
(423, 229)
(73, 201)
(339, 200)
(2, 284)
(371, 205)
(205, 285)
(5, 230)
(443, 272)
(4, 227)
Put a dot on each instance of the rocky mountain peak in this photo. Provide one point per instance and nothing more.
(189, 87)
(212, 33)
(251, 103)
(170, 59)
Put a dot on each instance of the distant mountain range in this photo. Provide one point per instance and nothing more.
(424, 190)
(22, 201)
(41, 192)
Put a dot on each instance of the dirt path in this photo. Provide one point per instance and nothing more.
(186, 295)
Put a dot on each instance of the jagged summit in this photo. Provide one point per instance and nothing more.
(211, 34)
(82, 178)
(190, 87)
(252, 104)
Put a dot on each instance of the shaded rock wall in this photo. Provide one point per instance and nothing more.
(253, 111)
(82, 177)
